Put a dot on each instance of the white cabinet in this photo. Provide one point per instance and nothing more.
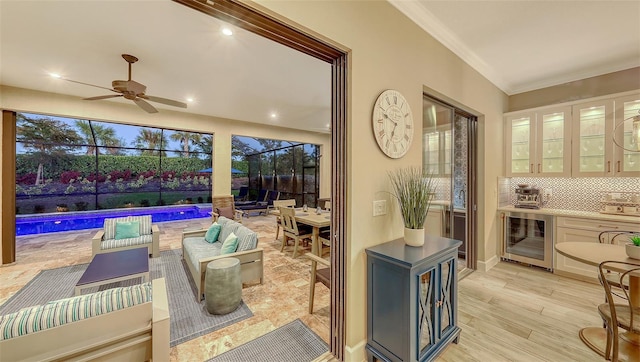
(586, 231)
(594, 152)
(538, 143)
(433, 223)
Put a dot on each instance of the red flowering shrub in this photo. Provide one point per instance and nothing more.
(26, 179)
(67, 176)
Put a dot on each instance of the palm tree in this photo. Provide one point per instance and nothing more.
(150, 142)
(46, 138)
(185, 138)
(95, 134)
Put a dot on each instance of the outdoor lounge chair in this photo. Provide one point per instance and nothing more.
(262, 197)
(260, 206)
(243, 193)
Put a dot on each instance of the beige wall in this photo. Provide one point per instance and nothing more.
(18, 99)
(611, 83)
(388, 51)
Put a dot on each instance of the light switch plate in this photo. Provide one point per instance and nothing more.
(379, 207)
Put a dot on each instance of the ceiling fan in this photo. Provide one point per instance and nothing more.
(132, 90)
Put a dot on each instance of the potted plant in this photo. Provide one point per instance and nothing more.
(414, 191)
(633, 248)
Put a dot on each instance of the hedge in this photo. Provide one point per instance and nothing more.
(86, 164)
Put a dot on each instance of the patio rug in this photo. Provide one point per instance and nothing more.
(293, 342)
(189, 319)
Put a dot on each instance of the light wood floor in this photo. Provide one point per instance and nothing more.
(510, 313)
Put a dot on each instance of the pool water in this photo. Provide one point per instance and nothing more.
(68, 221)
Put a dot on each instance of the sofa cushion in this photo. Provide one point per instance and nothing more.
(113, 243)
(230, 244)
(225, 211)
(59, 312)
(213, 232)
(247, 239)
(227, 229)
(110, 226)
(145, 223)
(127, 230)
(196, 248)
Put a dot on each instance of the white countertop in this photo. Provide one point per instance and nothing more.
(574, 213)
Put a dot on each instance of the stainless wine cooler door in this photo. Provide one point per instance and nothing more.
(528, 238)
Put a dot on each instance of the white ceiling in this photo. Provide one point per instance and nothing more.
(517, 45)
(182, 53)
(522, 45)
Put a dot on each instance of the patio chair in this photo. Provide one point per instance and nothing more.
(282, 203)
(243, 193)
(291, 230)
(322, 275)
(260, 206)
(223, 205)
(262, 197)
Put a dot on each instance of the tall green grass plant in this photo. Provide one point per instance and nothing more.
(414, 191)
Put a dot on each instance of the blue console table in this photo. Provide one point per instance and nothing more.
(411, 299)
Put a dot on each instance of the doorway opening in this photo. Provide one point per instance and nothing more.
(449, 139)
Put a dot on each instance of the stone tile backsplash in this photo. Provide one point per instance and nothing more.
(581, 194)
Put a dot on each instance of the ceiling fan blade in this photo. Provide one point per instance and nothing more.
(144, 105)
(166, 101)
(91, 85)
(102, 97)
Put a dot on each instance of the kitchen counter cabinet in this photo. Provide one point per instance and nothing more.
(575, 213)
(584, 230)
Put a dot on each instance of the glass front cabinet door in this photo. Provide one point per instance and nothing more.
(627, 152)
(592, 139)
(538, 143)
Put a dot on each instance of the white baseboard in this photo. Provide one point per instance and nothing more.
(486, 265)
(355, 353)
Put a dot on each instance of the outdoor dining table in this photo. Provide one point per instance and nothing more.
(594, 254)
(316, 221)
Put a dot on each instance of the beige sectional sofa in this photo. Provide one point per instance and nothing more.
(197, 252)
(119, 324)
(104, 241)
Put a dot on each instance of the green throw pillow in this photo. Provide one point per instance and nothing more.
(127, 230)
(230, 244)
(212, 234)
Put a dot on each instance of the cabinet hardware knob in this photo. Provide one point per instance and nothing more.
(618, 166)
(608, 227)
(531, 168)
(608, 166)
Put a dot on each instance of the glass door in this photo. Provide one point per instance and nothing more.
(554, 143)
(592, 147)
(449, 154)
(520, 145)
(627, 161)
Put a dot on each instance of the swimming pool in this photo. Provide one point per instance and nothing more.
(81, 220)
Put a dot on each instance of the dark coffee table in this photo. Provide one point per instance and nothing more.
(114, 267)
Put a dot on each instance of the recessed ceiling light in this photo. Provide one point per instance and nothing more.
(227, 31)
(190, 100)
(274, 115)
(55, 75)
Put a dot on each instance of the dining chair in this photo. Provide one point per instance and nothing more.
(618, 312)
(291, 230)
(276, 205)
(318, 275)
(616, 237)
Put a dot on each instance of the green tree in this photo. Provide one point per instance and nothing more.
(95, 134)
(149, 142)
(45, 138)
(205, 145)
(186, 139)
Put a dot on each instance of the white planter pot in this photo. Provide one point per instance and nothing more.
(632, 251)
(414, 237)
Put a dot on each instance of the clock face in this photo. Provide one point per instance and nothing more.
(392, 123)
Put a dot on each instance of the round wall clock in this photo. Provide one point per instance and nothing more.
(392, 123)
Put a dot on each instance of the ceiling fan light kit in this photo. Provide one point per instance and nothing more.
(132, 90)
